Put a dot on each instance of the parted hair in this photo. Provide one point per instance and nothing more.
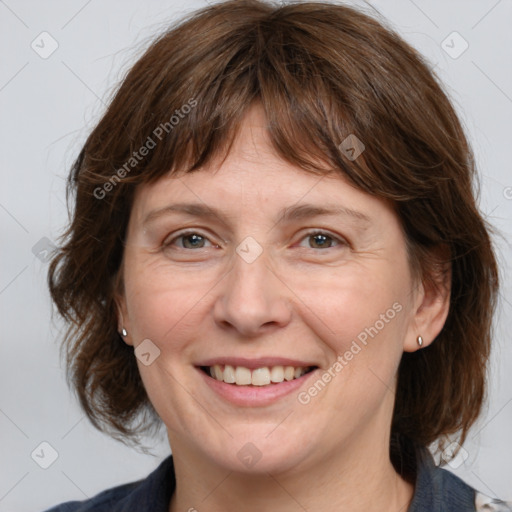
(322, 72)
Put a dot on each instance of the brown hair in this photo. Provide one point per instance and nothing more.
(321, 72)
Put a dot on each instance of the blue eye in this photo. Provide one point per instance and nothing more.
(190, 240)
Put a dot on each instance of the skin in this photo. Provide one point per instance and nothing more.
(304, 298)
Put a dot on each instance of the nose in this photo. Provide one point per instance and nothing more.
(252, 299)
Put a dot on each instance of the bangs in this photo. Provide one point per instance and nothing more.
(323, 86)
(184, 114)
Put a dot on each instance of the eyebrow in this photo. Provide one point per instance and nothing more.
(287, 214)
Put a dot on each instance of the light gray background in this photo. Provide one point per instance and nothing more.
(47, 108)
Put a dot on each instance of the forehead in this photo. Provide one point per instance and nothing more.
(254, 179)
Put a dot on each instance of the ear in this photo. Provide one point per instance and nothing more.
(123, 319)
(431, 302)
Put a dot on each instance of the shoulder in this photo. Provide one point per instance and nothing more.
(99, 503)
(150, 494)
(439, 490)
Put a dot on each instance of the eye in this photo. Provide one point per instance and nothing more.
(189, 239)
(194, 240)
(322, 240)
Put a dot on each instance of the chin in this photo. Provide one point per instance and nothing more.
(261, 453)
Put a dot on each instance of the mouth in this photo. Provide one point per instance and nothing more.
(255, 382)
(238, 375)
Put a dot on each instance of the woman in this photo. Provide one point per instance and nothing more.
(274, 252)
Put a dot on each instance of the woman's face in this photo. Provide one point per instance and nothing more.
(256, 291)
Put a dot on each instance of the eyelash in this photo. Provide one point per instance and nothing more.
(340, 241)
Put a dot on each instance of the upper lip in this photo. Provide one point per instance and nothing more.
(256, 363)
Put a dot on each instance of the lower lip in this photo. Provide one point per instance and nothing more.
(254, 396)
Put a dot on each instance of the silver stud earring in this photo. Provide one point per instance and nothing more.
(419, 339)
(124, 332)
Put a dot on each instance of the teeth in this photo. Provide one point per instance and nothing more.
(218, 374)
(242, 376)
(260, 377)
(264, 376)
(289, 372)
(229, 374)
(277, 374)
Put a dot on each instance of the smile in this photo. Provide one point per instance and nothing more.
(255, 382)
(263, 376)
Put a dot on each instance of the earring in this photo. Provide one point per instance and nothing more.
(124, 332)
(419, 339)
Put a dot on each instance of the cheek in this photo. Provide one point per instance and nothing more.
(359, 317)
(359, 302)
(166, 307)
(162, 302)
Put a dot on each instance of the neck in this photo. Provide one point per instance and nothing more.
(342, 481)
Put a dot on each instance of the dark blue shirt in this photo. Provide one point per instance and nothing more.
(436, 490)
